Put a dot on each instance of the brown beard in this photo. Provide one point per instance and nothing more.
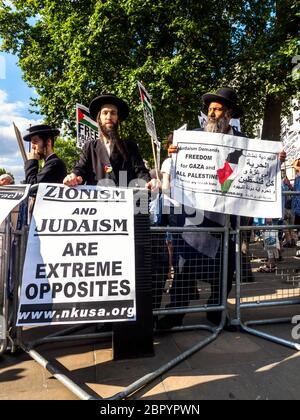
(219, 126)
(113, 135)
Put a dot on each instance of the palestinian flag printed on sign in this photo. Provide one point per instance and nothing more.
(83, 117)
(227, 174)
(87, 128)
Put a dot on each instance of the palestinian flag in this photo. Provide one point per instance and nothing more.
(227, 174)
(83, 117)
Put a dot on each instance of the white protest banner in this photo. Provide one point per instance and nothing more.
(227, 174)
(10, 197)
(87, 128)
(183, 128)
(291, 145)
(80, 259)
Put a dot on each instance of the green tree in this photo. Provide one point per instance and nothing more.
(265, 44)
(68, 151)
(71, 51)
(74, 50)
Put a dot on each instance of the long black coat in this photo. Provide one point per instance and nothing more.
(95, 164)
(54, 171)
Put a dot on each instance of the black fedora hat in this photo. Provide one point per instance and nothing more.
(40, 129)
(226, 96)
(109, 99)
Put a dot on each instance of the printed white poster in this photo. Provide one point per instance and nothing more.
(227, 174)
(10, 197)
(291, 145)
(80, 259)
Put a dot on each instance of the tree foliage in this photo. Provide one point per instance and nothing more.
(72, 50)
(68, 151)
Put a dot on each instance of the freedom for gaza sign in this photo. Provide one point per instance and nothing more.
(80, 259)
(227, 174)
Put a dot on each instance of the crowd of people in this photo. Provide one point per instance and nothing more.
(113, 159)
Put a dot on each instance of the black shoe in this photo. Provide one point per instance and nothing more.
(169, 321)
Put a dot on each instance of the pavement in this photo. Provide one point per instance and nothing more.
(236, 366)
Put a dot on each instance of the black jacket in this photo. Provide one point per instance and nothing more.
(95, 164)
(54, 171)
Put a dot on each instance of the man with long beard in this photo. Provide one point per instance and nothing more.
(110, 157)
(196, 249)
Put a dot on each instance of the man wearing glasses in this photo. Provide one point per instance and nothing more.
(223, 105)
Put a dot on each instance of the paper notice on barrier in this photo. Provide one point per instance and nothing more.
(10, 197)
(80, 259)
(227, 174)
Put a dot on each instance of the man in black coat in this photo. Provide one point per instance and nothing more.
(42, 139)
(222, 105)
(110, 157)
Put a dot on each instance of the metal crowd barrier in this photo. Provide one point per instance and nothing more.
(268, 277)
(12, 247)
(185, 284)
(206, 292)
(4, 264)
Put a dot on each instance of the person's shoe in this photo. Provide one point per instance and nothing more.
(169, 321)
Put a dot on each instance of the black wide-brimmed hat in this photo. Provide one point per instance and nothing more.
(109, 99)
(40, 129)
(226, 96)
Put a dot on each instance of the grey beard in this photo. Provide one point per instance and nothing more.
(220, 126)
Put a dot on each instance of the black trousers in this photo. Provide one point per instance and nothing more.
(199, 267)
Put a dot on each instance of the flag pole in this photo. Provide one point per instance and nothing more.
(154, 157)
(20, 143)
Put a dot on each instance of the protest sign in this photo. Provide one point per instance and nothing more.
(80, 260)
(87, 128)
(150, 124)
(291, 145)
(183, 127)
(10, 197)
(227, 174)
(148, 113)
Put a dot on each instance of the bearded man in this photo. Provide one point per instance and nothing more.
(110, 157)
(222, 105)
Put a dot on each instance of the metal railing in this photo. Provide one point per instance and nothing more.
(205, 292)
(187, 280)
(268, 277)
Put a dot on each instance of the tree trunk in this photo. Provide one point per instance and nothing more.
(271, 125)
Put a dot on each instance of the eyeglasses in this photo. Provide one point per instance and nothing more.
(215, 109)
